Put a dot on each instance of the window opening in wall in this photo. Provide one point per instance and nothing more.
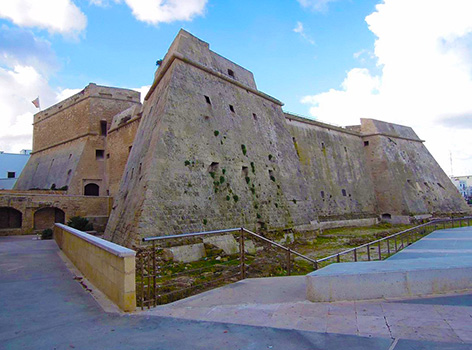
(323, 145)
(345, 149)
(91, 190)
(129, 149)
(11, 174)
(230, 73)
(103, 127)
(366, 143)
(245, 171)
(207, 99)
(99, 154)
(322, 194)
(213, 168)
(344, 192)
(231, 108)
(108, 155)
(254, 116)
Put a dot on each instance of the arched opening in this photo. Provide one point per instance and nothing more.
(46, 217)
(386, 216)
(92, 190)
(10, 218)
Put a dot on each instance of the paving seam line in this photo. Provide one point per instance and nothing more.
(395, 342)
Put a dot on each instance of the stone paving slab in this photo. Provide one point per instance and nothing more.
(43, 307)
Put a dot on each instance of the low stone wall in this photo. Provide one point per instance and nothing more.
(110, 267)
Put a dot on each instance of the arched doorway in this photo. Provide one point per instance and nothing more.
(10, 218)
(92, 190)
(46, 217)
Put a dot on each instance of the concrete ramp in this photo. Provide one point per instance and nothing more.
(437, 264)
(389, 279)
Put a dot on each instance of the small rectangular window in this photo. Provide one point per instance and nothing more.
(11, 175)
(231, 108)
(129, 149)
(322, 194)
(99, 154)
(344, 192)
(254, 116)
(108, 155)
(366, 143)
(230, 73)
(103, 128)
(207, 99)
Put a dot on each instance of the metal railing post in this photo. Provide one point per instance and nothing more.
(380, 251)
(241, 255)
(368, 252)
(388, 247)
(338, 258)
(355, 254)
(154, 271)
(288, 263)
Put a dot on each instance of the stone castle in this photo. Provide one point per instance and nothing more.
(207, 150)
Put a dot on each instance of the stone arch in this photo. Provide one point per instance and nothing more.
(92, 189)
(46, 217)
(10, 218)
(386, 216)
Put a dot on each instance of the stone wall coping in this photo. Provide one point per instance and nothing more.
(110, 247)
(392, 136)
(176, 55)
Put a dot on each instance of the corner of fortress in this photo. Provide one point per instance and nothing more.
(208, 150)
(212, 152)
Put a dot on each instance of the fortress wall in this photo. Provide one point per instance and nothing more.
(29, 203)
(67, 136)
(53, 166)
(407, 179)
(119, 142)
(127, 208)
(333, 163)
(196, 157)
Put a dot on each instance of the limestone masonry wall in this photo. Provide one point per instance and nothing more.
(69, 140)
(212, 152)
(207, 150)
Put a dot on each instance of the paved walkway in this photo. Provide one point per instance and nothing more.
(43, 307)
(280, 302)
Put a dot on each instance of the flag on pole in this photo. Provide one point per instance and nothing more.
(36, 102)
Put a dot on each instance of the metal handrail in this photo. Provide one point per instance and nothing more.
(193, 234)
(387, 238)
(229, 230)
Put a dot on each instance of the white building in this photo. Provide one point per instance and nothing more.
(464, 185)
(11, 165)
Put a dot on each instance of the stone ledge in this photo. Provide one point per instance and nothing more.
(389, 279)
(99, 242)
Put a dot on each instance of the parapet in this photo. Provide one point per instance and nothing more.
(190, 49)
(91, 90)
(370, 127)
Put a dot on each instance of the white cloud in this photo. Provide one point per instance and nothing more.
(166, 11)
(143, 90)
(21, 47)
(424, 50)
(316, 5)
(18, 87)
(57, 16)
(301, 30)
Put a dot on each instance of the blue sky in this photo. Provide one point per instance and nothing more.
(403, 61)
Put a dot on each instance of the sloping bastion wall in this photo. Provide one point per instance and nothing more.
(208, 150)
(212, 152)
